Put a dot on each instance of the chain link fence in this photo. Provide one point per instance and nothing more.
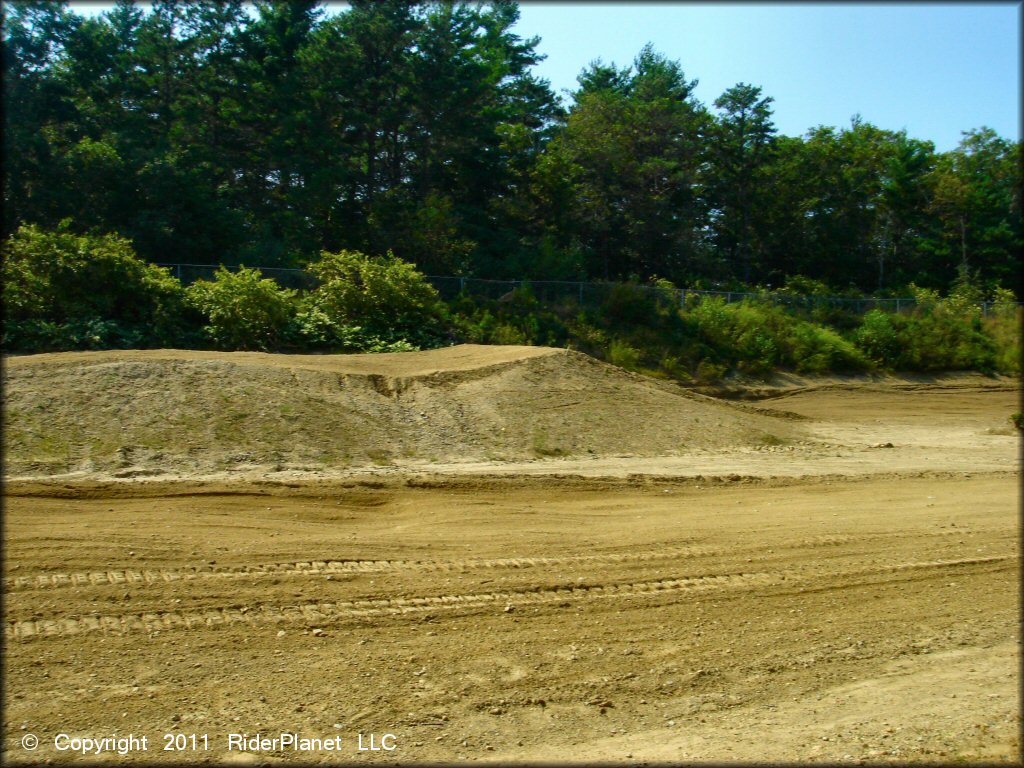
(583, 293)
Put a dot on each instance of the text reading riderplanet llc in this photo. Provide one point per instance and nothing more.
(243, 742)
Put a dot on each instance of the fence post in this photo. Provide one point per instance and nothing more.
(581, 294)
(462, 285)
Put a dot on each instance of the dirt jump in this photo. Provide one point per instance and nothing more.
(507, 554)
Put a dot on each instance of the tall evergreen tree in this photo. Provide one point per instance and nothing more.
(633, 140)
(740, 145)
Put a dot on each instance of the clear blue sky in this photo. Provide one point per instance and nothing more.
(934, 69)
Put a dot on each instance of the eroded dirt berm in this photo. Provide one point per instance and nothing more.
(167, 410)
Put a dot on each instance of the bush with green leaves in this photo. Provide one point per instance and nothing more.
(879, 338)
(631, 304)
(382, 294)
(758, 337)
(49, 336)
(243, 309)
(1003, 325)
(943, 342)
(314, 329)
(61, 280)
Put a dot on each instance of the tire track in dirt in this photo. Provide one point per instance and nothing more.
(144, 576)
(328, 567)
(319, 613)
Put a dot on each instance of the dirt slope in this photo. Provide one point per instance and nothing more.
(848, 596)
(163, 410)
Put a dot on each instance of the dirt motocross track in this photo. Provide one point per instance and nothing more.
(505, 554)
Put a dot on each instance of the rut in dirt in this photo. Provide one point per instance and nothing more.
(313, 568)
(323, 613)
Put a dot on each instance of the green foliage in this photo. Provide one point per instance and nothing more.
(49, 336)
(1003, 325)
(799, 285)
(243, 310)
(965, 296)
(1004, 303)
(1004, 329)
(818, 350)
(943, 342)
(708, 372)
(314, 329)
(384, 295)
(423, 128)
(757, 338)
(926, 300)
(628, 304)
(520, 320)
(66, 278)
(879, 339)
(622, 354)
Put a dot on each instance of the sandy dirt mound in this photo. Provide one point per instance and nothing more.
(169, 410)
(850, 597)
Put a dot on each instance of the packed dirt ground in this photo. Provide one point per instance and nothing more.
(809, 571)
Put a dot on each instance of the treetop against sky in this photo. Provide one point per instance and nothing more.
(933, 69)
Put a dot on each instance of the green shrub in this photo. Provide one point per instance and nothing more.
(940, 341)
(1005, 331)
(666, 295)
(758, 337)
(798, 285)
(384, 295)
(503, 333)
(68, 279)
(313, 329)
(708, 371)
(818, 349)
(92, 333)
(926, 300)
(590, 337)
(878, 337)
(624, 355)
(1003, 326)
(243, 309)
(629, 304)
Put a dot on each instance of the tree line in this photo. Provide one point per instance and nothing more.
(206, 133)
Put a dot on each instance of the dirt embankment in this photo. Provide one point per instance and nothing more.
(473, 564)
(169, 410)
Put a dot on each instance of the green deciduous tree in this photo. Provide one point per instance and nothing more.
(61, 276)
(976, 199)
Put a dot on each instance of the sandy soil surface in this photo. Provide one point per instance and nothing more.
(823, 596)
(146, 413)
